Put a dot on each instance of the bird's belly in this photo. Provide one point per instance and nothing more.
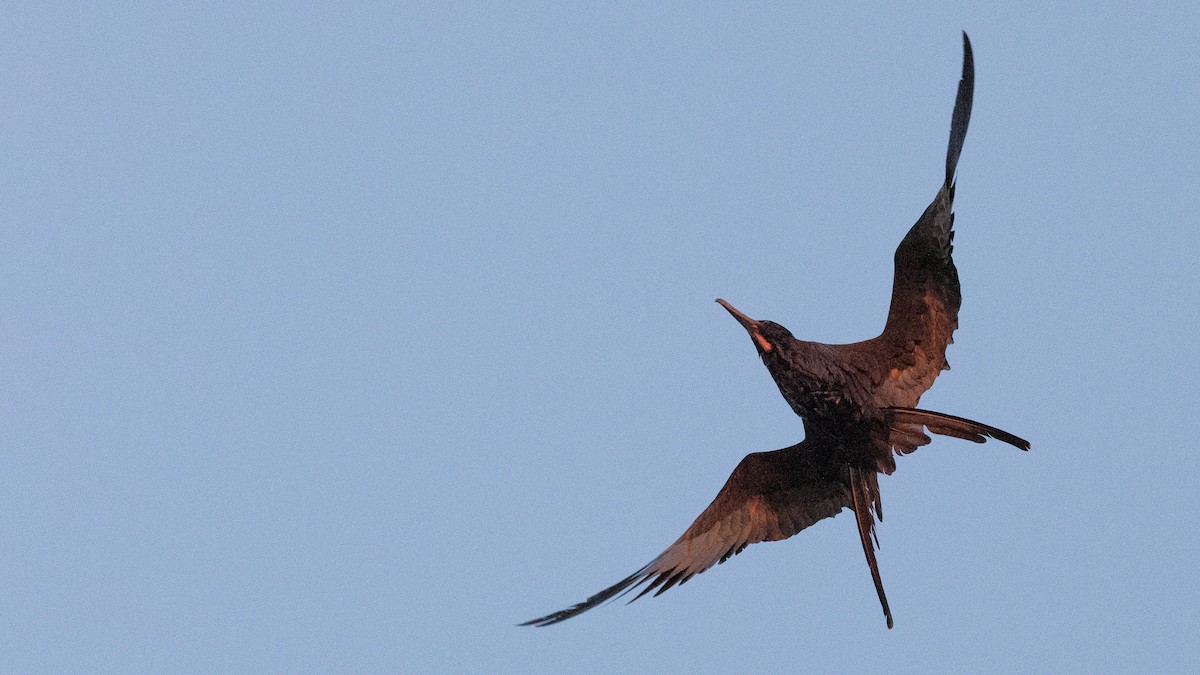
(830, 404)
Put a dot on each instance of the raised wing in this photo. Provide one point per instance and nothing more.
(770, 496)
(925, 291)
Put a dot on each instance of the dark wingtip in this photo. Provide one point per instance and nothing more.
(962, 110)
(596, 600)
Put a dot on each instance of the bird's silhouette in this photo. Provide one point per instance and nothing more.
(857, 402)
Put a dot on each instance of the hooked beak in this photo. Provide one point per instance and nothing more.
(749, 324)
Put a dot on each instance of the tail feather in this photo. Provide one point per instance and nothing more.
(958, 427)
(962, 111)
(861, 489)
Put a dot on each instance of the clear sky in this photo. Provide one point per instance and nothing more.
(348, 338)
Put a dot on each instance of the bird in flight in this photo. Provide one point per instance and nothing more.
(857, 402)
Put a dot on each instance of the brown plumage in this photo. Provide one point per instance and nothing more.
(770, 496)
(857, 402)
(826, 383)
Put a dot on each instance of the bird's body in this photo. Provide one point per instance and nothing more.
(858, 403)
(838, 387)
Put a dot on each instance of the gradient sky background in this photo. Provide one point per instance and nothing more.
(347, 338)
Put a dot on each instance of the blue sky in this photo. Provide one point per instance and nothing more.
(347, 338)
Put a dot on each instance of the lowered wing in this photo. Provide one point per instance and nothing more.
(770, 496)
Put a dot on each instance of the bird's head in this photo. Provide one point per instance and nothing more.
(768, 336)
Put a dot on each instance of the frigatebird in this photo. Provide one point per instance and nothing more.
(857, 402)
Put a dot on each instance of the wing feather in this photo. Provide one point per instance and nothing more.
(769, 496)
(926, 296)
